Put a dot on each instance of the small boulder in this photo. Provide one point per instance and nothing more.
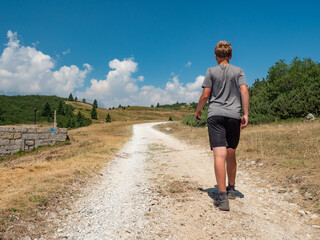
(310, 117)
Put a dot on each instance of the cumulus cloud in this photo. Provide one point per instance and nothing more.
(120, 87)
(25, 70)
(118, 82)
(188, 64)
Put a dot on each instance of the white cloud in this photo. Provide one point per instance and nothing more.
(196, 85)
(120, 87)
(66, 52)
(188, 64)
(25, 70)
(119, 81)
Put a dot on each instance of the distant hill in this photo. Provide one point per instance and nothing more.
(134, 113)
(20, 110)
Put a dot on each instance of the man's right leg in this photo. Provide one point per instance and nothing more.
(220, 156)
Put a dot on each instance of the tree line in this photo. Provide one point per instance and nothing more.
(20, 110)
(290, 90)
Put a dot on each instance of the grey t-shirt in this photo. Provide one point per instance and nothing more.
(225, 82)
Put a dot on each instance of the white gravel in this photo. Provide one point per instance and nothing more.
(116, 207)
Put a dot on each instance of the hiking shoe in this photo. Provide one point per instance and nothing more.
(222, 204)
(231, 193)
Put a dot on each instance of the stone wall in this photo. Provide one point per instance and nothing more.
(26, 138)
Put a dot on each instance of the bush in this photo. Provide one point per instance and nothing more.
(108, 118)
(191, 121)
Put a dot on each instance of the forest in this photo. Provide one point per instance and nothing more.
(20, 110)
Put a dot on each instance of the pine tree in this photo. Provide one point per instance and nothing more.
(76, 99)
(94, 113)
(70, 98)
(152, 105)
(158, 105)
(80, 119)
(1, 115)
(46, 112)
(108, 118)
(95, 103)
(119, 106)
(71, 123)
(170, 118)
(60, 109)
(83, 100)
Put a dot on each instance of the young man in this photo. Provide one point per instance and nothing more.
(225, 88)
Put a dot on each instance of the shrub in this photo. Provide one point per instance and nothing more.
(108, 118)
(191, 121)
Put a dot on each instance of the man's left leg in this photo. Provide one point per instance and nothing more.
(231, 165)
(231, 170)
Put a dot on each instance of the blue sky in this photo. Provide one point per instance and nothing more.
(148, 44)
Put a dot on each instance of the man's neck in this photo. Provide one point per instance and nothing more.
(224, 62)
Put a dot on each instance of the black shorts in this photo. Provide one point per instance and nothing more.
(223, 132)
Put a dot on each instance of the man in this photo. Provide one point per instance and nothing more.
(225, 88)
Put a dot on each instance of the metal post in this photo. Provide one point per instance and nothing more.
(35, 116)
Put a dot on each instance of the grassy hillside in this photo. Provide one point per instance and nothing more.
(20, 110)
(133, 113)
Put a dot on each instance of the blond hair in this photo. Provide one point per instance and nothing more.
(223, 49)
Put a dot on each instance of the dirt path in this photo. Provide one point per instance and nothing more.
(160, 188)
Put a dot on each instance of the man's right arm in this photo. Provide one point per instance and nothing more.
(245, 105)
(202, 102)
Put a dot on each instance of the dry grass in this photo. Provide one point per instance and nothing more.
(289, 153)
(32, 183)
(132, 113)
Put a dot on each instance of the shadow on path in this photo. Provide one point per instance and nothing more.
(214, 192)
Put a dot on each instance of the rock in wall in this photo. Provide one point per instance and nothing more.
(26, 138)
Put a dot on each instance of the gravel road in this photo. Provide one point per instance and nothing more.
(160, 188)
